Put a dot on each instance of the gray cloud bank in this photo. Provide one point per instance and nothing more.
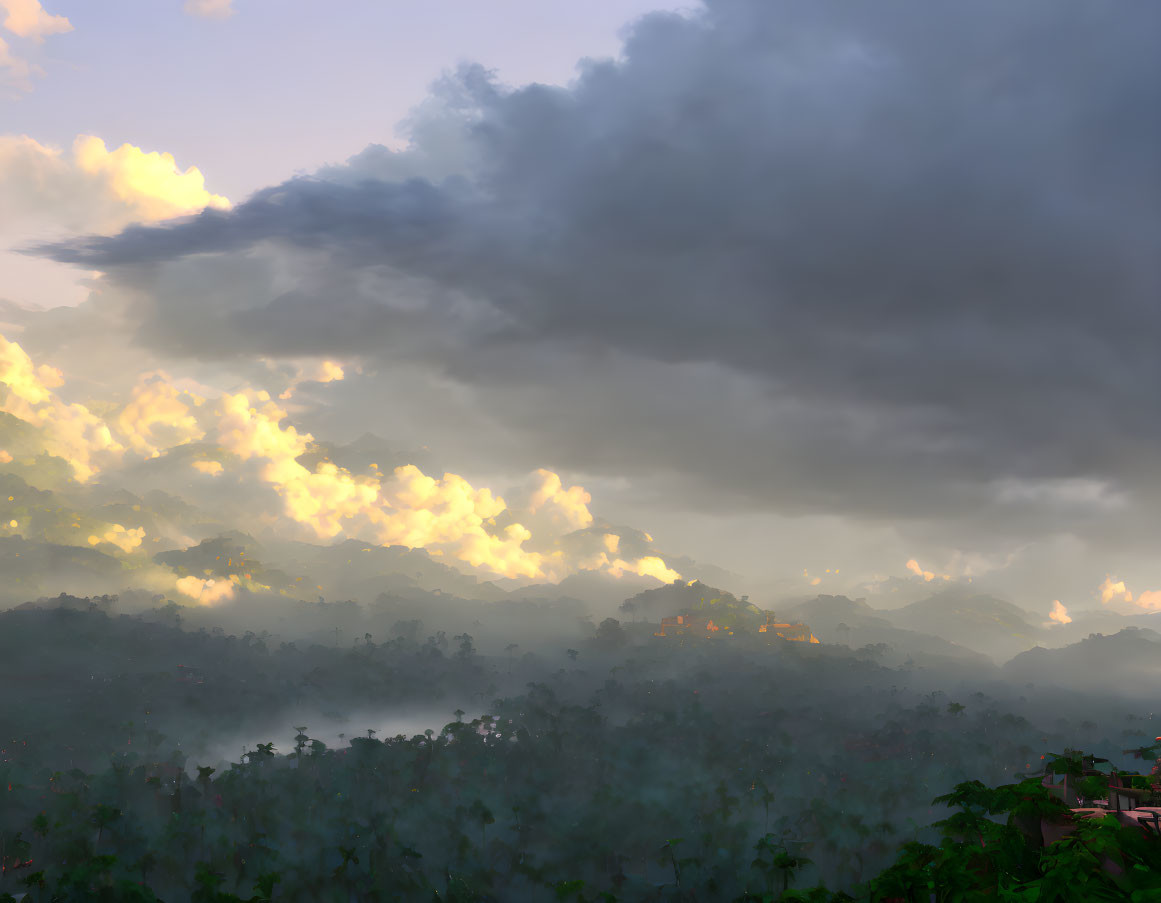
(895, 260)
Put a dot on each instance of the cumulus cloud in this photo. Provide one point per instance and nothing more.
(149, 183)
(207, 591)
(124, 539)
(407, 507)
(567, 508)
(28, 19)
(210, 9)
(71, 431)
(1116, 593)
(94, 188)
(1059, 614)
(649, 566)
(549, 533)
(158, 416)
(928, 576)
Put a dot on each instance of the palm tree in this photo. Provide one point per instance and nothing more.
(485, 816)
(300, 740)
(765, 797)
(349, 855)
(204, 772)
(102, 816)
(146, 864)
(775, 861)
(668, 853)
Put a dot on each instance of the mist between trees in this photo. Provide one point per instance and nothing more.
(597, 759)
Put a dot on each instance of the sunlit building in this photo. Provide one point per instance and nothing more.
(1125, 799)
(798, 633)
(699, 625)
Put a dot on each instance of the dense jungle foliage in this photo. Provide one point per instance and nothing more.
(627, 767)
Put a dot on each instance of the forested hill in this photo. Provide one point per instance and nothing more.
(619, 761)
(89, 683)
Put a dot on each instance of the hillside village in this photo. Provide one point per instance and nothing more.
(1134, 799)
(694, 609)
(704, 626)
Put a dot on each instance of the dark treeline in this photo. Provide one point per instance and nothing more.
(644, 768)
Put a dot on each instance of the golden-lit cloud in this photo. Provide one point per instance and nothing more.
(148, 182)
(206, 591)
(567, 508)
(914, 568)
(28, 19)
(1116, 591)
(1150, 600)
(321, 499)
(324, 498)
(5, 456)
(210, 9)
(94, 188)
(421, 511)
(318, 372)
(406, 508)
(125, 540)
(649, 566)
(547, 535)
(329, 372)
(71, 431)
(1059, 613)
(159, 416)
(28, 382)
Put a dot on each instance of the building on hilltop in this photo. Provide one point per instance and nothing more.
(797, 633)
(699, 625)
(690, 625)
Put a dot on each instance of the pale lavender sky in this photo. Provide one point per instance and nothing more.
(285, 86)
(278, 88)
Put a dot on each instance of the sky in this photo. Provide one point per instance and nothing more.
(824, 294)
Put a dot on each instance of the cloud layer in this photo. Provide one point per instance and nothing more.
(25, 19)
(94, 188)
(892, 262)
(246, 437)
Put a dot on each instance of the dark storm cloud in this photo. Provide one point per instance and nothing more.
(919, 240)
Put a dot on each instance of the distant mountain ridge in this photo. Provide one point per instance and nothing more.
(977, 621)
(1128, 661)
(838, 619)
